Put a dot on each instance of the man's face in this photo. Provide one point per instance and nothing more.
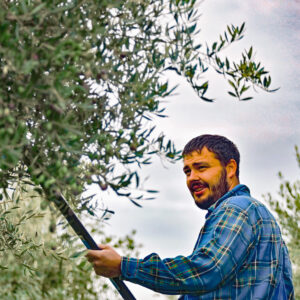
(206, 178)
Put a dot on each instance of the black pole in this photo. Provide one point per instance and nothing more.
(88, 241)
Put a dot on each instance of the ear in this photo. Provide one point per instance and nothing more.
(231, 168)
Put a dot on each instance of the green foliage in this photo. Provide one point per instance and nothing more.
(81, 81)
(287, 208)
(41, 259)
(241, 76)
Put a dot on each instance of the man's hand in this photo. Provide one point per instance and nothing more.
(106, 262)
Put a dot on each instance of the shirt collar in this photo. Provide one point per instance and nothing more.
(239, 189)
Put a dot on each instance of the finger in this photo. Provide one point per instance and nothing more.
(90, 259)
(103, 246)
(93, 253)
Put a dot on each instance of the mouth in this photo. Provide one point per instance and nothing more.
(198, 189)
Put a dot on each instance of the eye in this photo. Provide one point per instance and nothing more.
(187, 172)
(201, 168)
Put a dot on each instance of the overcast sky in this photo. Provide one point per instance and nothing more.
(265, 129)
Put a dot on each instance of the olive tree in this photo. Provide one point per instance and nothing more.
(81, 80)
(40, 258)
(287, 208)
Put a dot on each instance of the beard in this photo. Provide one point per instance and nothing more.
(217, 191)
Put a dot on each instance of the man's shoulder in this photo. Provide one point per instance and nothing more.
(249, 205)
(240, 198)
(244, 202)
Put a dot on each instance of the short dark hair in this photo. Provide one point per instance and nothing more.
(223, 148)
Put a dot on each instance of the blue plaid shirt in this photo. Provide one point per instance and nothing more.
(239, 254)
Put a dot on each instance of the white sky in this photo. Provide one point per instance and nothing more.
(265, 129)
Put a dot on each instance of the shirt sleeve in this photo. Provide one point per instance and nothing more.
(223, 245)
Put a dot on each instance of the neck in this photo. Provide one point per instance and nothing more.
(234, 182)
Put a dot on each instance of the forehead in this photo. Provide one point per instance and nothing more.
(204, 156)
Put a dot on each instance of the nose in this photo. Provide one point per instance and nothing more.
(193, 176)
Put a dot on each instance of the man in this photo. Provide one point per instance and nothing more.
(239, 254)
